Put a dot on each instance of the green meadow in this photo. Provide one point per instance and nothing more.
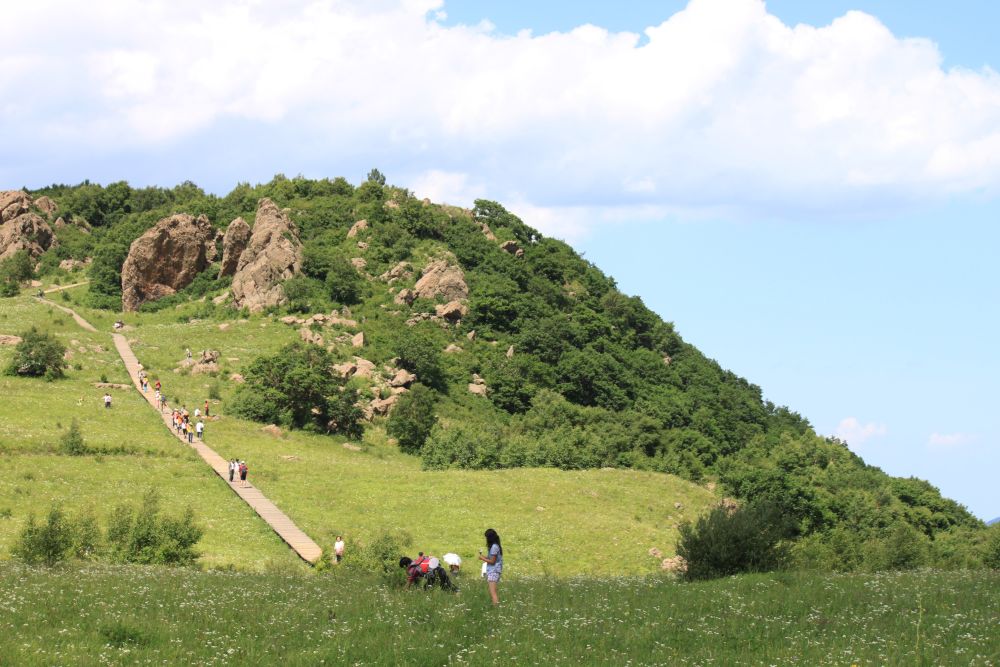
(133, 615)
(563, 523)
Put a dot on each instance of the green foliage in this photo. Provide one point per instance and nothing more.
(305, 295)
(72, 442)
(144, 535)
(991, 555)
(38, 354)
(732, 541)
(380, 554)
(295, 388)
(14, 270)
(45, 544)
(412, 418)
(343, 283)
(418, 353)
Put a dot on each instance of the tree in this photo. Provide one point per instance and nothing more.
(413, 418)
(47, 543)
(38, 355)
(376, 176)
(72, 442)
(727, 541)
(418, 353)
(296, 389)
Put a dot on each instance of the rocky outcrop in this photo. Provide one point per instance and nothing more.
(166, 259)
(402, 378)
(14, 203)
(453, 311)
(401, 271)
(512, 248)
(357, 227)
(405, 297)
(233, 244)
(359, 264)
(46, 206)
(441, 279)
(273, 255)
(478, 386)
(7, 339)
(207, 362)
(20, 227)
(488, 233)
(358, 340)
(26, 232)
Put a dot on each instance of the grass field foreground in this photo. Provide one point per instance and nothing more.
(117, 615)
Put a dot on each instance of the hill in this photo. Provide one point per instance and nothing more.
(528, 357)
(993, 521)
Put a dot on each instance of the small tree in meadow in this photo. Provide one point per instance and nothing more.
(72, 442)
(38, 354)
(413, 418)
(45, 543)
(725, 542)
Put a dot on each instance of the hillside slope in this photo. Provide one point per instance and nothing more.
(576, 375)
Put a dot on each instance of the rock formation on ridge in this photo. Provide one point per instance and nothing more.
(273, 255)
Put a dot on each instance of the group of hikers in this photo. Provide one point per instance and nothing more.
(428, 568)
(181, 420)
(238, 470)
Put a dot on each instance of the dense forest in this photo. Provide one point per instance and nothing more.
(579, 375)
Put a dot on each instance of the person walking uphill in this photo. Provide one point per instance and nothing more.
(494, 562)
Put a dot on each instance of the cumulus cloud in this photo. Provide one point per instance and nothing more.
(852, 431)
(948, 440)
(722, 105)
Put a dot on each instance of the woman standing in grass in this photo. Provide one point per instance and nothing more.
(494, 562)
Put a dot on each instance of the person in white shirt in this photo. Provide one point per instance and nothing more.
(338, 548)
(199, 428)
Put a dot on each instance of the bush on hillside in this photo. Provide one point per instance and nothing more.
(725, 542)
(38, 355)
(72, 442)
(295, 388)
(143, 535)
(418, 353)
(13, 271)
(381, 553)
(45, 543)
(991, 555)
(413, 418)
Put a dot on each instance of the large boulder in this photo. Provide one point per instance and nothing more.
(441, 279)
(20, 227)
(273, 255)
(233, 244)
(14, 203)
(166, 259)
(25, 232)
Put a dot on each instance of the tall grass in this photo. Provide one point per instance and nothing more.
(135, 615)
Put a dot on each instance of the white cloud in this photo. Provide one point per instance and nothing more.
(722, 106)
(949, 440)
(852, 431)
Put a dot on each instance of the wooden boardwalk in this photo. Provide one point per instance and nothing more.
(300, 543)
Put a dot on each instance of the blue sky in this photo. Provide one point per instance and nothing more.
(809, 195)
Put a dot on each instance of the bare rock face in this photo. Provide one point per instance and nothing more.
(402, 378)
(46, 206)
(273, 255)
(25, 232)
(677, 565)
(441, 279)
(166, 258)
(405, 297)
(401, 271)
(358, 226)
(382, 406)
(233, 244)
(14, 203)
(453, 311)
(488, 233)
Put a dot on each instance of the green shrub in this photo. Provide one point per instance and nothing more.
(38, 355)
(991, 555)
(72, 442)
(413, 418)
(142, 535)
(418, 353)
(45, 544)
(380, 554)
(725, 542)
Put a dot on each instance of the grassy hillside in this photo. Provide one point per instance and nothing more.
(326, 488)
(134, 616)
(581, 377)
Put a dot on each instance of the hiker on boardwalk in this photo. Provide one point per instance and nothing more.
(243, 473)
(199, 428)
(107, 400)
(232, 470)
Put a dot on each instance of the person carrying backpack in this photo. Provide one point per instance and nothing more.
(243, 473)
